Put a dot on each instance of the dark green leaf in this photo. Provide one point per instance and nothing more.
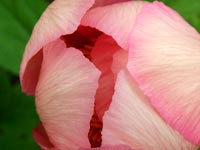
(17, 115)
(17, 20)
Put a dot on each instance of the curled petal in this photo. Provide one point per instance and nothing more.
(42, 138)
(60, 18)
(132, 120)
(65, 95)
(165, 60)
(116, 20)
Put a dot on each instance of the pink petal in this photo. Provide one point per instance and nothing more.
(60, 18)
(131, 120)
(116, 147)
(65, 95)
(102, 56)
(107, 2)
(165, 61)
(116, 20)
(42, 138)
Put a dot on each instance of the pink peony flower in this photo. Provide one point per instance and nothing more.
(115, 74)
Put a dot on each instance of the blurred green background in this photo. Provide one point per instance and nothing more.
(17, 112)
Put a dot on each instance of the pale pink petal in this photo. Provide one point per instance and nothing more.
(42, 138)
(60, 18)
(165, 61)
(116, 20)
(65, 95)
(102, 57)
(108, 147)
(131, 120)
(107, 2)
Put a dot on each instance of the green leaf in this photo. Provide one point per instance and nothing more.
(17, 20)
(18, 116)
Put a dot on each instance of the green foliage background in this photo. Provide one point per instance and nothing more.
(17, 112)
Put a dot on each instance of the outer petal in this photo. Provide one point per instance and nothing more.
(116, 20)
(60, 18)
(108, 147)
(42, 138)
(131, 120)
(65, 95)
(165, 60)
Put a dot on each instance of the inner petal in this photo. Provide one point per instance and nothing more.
(83, 39)
(102, 56)
(103, 51)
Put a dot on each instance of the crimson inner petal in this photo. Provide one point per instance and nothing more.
(83, 39)
(99, 49)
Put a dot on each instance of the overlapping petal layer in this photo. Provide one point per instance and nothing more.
(60, 18)
(65, 95)
(164, 58)
(165, 64)
(132, 120)
(116, 20)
